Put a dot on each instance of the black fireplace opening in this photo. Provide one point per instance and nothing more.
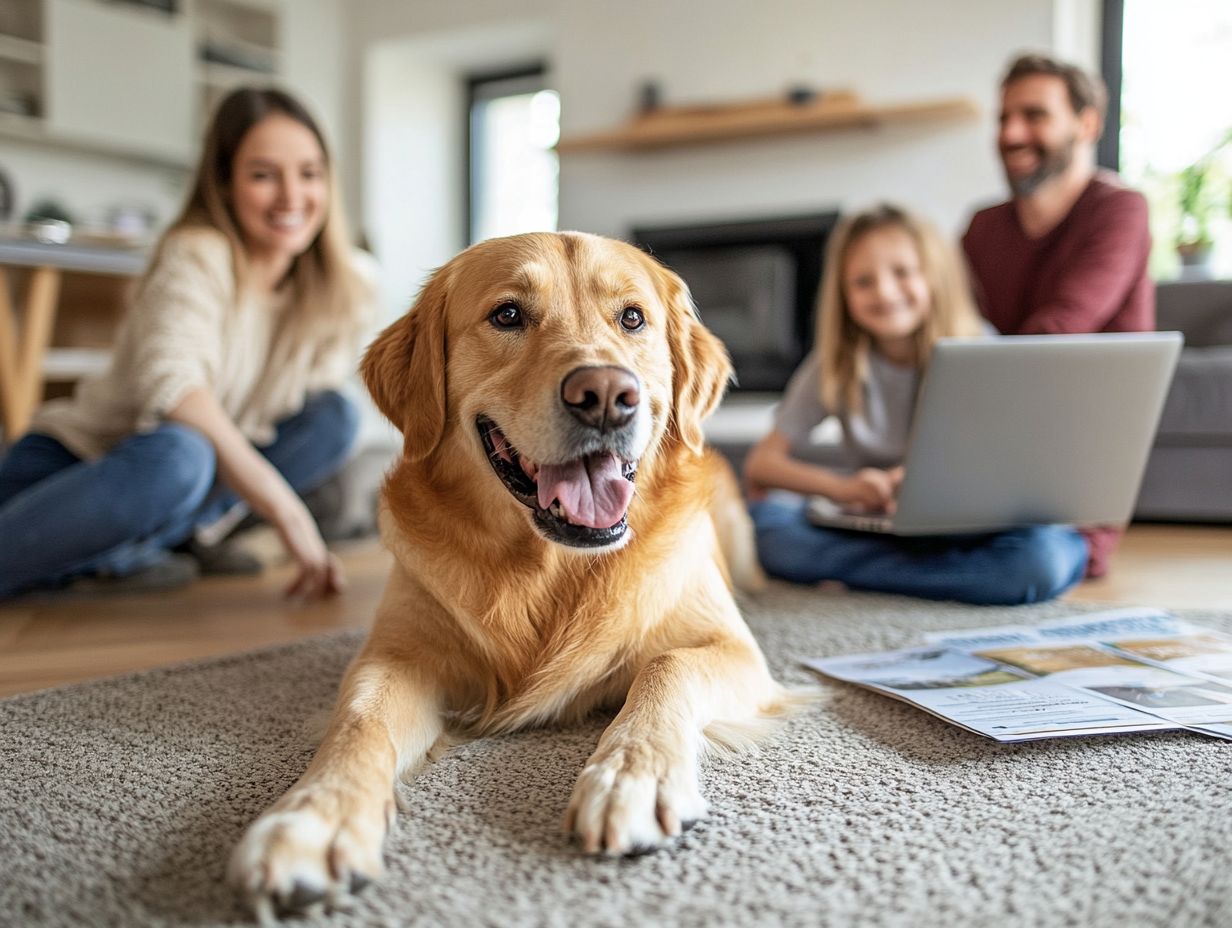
(755, 282)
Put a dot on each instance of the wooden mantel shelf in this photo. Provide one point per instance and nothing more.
(692, 125)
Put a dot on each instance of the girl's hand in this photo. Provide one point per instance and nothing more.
(754, 491)
(872, 489)
(320, 572)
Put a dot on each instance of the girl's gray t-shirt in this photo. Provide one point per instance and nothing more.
(876, 437)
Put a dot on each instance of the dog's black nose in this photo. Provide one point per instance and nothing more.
(603, 398)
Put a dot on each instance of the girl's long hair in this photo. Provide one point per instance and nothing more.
(325, 290)
(844, 347)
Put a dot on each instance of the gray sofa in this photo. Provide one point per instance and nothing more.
(1189, 473)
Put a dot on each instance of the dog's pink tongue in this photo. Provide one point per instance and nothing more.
(592, 492)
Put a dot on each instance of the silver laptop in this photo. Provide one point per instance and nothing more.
(1023, 430)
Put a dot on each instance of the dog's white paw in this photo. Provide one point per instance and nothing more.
(314, 846)
(632, 799)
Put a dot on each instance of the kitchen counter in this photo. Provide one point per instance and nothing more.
(73, 256)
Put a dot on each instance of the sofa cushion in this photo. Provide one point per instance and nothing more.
(1186, 484)
(1199, 309)
(1199, 405)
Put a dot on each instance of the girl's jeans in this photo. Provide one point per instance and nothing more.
(1023, 565)
(61, 517)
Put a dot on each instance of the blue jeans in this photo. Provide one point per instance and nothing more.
(62, 517)
(1023, 565)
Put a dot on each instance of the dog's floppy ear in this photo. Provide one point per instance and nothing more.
(404, 370)
(701, 367)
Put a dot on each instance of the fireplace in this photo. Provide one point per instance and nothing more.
(755, 282)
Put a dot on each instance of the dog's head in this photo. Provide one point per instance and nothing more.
(556, 365)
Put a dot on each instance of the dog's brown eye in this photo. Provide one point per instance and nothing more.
(507, 316)
(632, 318)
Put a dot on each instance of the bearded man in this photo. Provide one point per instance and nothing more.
(1068, 253)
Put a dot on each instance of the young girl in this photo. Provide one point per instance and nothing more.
(222, 395)
(892, 287)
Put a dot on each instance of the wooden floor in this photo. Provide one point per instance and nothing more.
(49, 643)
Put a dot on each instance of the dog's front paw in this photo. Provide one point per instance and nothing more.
(633, 798)
(312, 847)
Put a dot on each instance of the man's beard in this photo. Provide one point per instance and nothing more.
(1052, 162)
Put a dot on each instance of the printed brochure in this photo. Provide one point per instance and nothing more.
(1128, 670)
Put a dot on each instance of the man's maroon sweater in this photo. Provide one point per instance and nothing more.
(1089, 274)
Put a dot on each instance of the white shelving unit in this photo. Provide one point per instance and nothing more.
(21, 62)
(118, 75)
(130, 78)
(23, 51)
(238, 43)
(17, 126)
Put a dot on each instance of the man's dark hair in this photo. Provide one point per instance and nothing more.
(1084, 89)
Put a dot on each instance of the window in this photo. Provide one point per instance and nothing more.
(1175, 138)
(513, 176)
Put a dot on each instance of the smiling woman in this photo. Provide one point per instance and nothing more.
(222, 398)
(279, 191)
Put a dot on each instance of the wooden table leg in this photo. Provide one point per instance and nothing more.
(21, 356)
(9, 374)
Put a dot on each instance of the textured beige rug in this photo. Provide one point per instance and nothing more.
(120, 800)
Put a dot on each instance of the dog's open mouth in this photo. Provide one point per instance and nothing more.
(581, 503)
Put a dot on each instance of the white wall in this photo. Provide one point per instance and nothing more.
(885, 50)
(413, 160)
(317, 68)
(1077, 32)
(700, 51)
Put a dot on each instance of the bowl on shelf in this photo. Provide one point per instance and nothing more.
(49, 231)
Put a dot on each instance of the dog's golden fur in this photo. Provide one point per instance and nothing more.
(486, 625)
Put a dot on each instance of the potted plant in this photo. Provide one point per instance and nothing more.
(1193, 238)
(1204, 194)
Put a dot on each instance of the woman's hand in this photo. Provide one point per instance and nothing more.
(871, 489)
(320, 572)
(258, 482)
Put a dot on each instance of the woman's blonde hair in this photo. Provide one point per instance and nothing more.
(844, 346)
(325, 290)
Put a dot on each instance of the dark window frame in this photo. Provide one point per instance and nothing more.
(1112, 46)
(490, 85)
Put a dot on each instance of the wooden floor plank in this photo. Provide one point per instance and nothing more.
(1169, 566)
(48, 643)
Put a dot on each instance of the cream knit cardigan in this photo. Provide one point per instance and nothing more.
(190, 328)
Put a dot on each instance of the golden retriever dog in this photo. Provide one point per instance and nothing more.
(563, 542)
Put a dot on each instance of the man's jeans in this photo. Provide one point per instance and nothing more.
(1023, 565)
(61, 517)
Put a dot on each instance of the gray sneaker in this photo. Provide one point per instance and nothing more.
(177, 570)
(227, 558)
